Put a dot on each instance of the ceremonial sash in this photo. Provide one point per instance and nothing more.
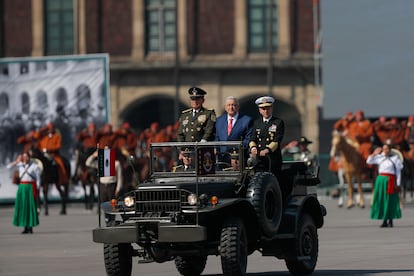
(391, 182)
(34, 188)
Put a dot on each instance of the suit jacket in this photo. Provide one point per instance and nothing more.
(241, 131)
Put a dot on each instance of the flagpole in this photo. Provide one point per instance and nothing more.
(99, 189)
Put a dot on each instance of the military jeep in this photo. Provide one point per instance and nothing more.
(223, 206)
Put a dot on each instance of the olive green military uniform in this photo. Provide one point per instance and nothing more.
(197, 128)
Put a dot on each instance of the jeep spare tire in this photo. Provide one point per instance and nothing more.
(266, 198)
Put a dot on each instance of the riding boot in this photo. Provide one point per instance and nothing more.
(384, 224)
(390, 224)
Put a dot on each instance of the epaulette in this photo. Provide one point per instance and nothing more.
(187, 110)
(174, 169)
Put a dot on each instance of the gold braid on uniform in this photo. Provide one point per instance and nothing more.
(273, 146)
(176, 167)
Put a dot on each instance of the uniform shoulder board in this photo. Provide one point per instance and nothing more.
(176, 167)
(187, 110)
(213, 116)
(210, 109)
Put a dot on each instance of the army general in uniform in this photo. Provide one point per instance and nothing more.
(197, 124)
(267, 136)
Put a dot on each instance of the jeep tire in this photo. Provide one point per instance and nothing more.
(118, 259)
(265, 196)
(190, 265)
(233, 247)
(304, 255)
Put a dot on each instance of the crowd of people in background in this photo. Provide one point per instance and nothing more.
(393, 131)
(399, 133)
(378, 142)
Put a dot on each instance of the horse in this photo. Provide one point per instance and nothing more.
(50, 175)
(87, 176)
(352, 164)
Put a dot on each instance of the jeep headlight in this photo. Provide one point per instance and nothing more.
(192, 199)
(129, 201)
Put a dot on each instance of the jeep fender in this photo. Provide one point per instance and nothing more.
(298, 205)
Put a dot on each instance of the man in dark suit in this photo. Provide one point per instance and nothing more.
(197, 124)
(267, 136)
(233, 126)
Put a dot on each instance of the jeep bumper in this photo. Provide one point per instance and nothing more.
(166, 233)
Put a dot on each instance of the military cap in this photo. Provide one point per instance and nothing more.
(187, 151)
(234, 154)
(265, 101)
(304, 141)
(196, 92)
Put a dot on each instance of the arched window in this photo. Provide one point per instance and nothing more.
(25, 102)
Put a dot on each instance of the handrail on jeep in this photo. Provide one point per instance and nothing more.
(207, 155)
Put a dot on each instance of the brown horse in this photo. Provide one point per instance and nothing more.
(352, 164)
(50, 175)
(87, 176)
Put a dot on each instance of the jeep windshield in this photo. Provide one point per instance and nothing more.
(180, 159)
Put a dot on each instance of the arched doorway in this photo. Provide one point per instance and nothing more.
(155, 108)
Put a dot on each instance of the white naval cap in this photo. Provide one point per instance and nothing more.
(265, 101)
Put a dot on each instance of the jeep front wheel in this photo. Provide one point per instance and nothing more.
(118, 259)
(190, 265)
(233, 247)
(304, 255)
(266, 198)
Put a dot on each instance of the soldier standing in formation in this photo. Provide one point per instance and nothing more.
(50, 142)
(197, 124)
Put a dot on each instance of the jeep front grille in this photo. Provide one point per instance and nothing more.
(159, 200)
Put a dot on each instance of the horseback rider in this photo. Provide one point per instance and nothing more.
(125, 140)
(29, 141)
(362, 131)
(50, 142)
(105, 136)
(86, 146)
